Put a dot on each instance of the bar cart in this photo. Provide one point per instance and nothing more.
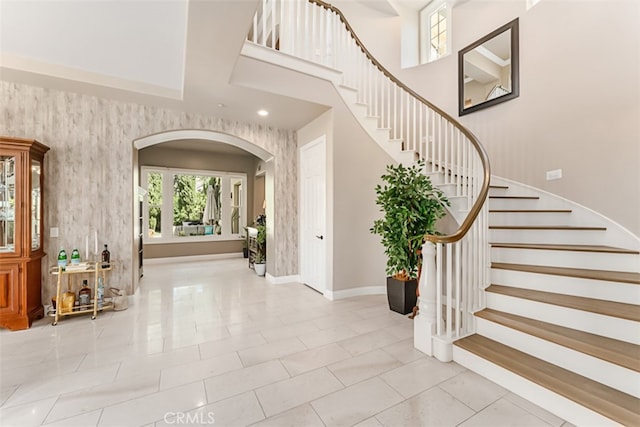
(97, 270)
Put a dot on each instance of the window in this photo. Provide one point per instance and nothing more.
(194, 204)
(434, 31)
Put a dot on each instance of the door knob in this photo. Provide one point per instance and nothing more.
(320, 237)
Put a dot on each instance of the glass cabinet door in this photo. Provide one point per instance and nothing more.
(36, 204)
(7, 203)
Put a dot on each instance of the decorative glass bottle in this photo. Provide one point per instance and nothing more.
(62, 257)
(84, 294)
(75, 256)
(100, 295)
(106, 257)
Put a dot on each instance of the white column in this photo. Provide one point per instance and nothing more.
(424, 323)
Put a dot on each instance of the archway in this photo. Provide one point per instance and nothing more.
(211, 137)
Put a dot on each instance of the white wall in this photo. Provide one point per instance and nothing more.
(358, 163)
(355, 257)
(579, 94)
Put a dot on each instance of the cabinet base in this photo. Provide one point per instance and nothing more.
(18, 323)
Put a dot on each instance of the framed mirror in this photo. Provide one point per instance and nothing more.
(488, 70)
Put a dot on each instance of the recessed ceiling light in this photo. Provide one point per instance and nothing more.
(263, 113)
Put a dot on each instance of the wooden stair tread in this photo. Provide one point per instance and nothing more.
(609, 276)
(592, 305)
(545, 227)
(614, 351)
(611, 403)
(530, 210)
(557, 247)
(515, 197)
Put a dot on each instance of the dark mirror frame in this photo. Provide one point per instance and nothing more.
(515, 81)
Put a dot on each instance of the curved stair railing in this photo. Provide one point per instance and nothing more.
(455, 266)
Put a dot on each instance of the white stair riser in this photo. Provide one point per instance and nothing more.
(588, 288)
(529, 218)
(408, 158)
(612, 327)
(437, 178)
(568, 237)
(569, 259)
(552, 402)
(604, 372)
(371, 124)
(458, 204)
(503, 204)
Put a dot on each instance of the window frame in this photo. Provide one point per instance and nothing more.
(424, 19)
(167, 205)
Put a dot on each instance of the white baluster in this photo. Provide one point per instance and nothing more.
(264, 23)
(458, 266)
(395, 111)
(449, 279)
(255, 28)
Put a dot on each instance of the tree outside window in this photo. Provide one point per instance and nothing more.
(154, 188)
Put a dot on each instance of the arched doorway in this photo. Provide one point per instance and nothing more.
(267, 165)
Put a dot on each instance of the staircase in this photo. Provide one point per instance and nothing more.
(561, 325)
(538, 294)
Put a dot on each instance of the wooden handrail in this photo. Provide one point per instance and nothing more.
(484, 158)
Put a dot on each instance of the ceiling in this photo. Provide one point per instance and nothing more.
(177, 54)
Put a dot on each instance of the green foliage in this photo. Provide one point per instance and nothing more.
(261, 240)
(259, 258)
(411, 207)
(188, 202)
(155, 201)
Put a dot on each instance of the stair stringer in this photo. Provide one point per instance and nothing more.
(382, 136)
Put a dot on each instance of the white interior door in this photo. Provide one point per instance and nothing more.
(313, 253)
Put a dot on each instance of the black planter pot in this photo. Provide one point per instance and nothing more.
(245, 252)
(401, 295)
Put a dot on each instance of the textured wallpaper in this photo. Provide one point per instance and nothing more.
(89, 169)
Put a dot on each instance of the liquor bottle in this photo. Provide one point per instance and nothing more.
(62, 258)
(84, 294)
(100, 295)
(106, 257)
(75, 256)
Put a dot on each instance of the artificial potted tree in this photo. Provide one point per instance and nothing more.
(259, 261)
(411, 206)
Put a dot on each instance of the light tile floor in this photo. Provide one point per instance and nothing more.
(210, 343)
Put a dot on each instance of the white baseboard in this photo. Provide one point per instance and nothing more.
(279, 280)
(209, 257)
(355, 292)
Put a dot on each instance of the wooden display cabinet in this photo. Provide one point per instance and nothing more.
(21, 226)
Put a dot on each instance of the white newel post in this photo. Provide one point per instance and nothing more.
(424, 324)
